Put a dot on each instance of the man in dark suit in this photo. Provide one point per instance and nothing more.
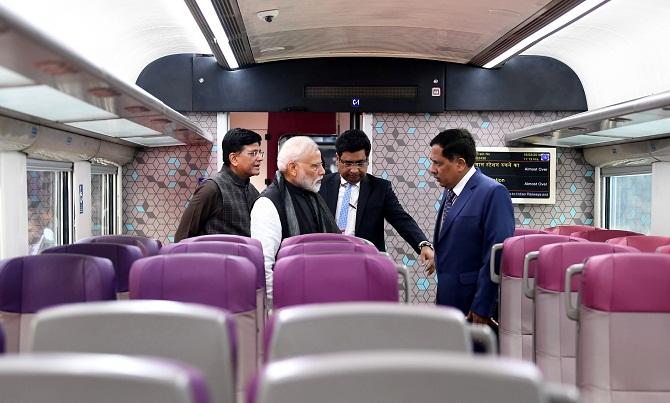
(476, 212)
(360, 202)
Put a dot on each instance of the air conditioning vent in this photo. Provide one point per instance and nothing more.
(385, 92)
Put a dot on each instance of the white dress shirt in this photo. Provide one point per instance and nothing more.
(266, 227)
(353, 204)
(461, 184)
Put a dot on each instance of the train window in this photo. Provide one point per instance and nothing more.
(103, 199)
(627, 198)
(49, 201)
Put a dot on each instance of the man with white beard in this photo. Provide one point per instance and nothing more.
(291, 205)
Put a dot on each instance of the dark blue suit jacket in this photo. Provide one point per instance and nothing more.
(481, 216)
(376, 201)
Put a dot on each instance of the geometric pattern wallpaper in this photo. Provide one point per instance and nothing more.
(159, 181)
(400, 150)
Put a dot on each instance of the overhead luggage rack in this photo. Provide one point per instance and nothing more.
(44, 82)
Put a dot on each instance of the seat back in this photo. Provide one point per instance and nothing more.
(149, 246)
(568, 229)
(121, 256)
(323, 237)
(249, 251)
(643, 243)
(30, 283)
(224, 238)
(516, 311)
(602, 235)
(305, 279)
(246, 250)
(320, 248)
(222, 281)
(200, 336)
(555, 334)
(99, 378)
(663, 249)
(398, 377)
(528, 231)
(624, 315)
(365, 326)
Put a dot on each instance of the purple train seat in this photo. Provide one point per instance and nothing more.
(223, 281)
(643, 243)
(99, 378)
(602, 235)
(224, 238)
(149, 246)
(624, 318)
(249, 251)
(568, 229)
(320, 248)
(321, 237)
(528, 231)
(305, 279)
(122, 257)
(30, 283)
(555, 334)
(516, 311)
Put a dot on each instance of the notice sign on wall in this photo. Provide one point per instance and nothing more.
(529, 174)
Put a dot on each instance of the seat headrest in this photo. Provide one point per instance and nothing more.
(515, 249)
(627, 282)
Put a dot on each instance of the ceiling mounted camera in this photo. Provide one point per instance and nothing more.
(268, 15)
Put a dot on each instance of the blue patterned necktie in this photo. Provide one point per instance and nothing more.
(449, 197)
(344, 208)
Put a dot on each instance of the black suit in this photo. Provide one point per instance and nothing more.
(376, 202)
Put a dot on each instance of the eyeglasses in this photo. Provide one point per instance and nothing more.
(357, 164)
(315, 167)
(255, 153)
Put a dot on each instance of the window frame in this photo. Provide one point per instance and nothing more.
(109, 193)
(606, 175)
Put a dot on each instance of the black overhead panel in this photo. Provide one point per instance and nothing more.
(320, 85)
(526, 83)
(170, 80)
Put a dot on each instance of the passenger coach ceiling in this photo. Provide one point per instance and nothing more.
(616, 51)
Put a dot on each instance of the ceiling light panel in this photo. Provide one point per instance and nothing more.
(159, 141)
(115, 128)
(45, 102)
(10, 78)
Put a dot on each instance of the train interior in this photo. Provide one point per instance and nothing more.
(112, 113)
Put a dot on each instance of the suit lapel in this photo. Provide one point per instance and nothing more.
(363, 196)
(461, 201)
(332, 191)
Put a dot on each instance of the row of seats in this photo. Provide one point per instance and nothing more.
(643, 243)
(411, 343)
(178, 273)
(536, 296)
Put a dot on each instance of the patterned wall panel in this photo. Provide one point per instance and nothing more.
(159, 182)
(400, 146)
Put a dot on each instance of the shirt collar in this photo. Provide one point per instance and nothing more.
(464, 180)
(344, 182)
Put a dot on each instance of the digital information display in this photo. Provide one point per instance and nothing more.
(529, 174)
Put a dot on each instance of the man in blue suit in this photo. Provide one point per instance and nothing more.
(476, 212)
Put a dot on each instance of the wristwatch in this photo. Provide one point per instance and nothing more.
(425, 243)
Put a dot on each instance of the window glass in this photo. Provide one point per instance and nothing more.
(103, 211)
(628, 203)
(44, 205)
